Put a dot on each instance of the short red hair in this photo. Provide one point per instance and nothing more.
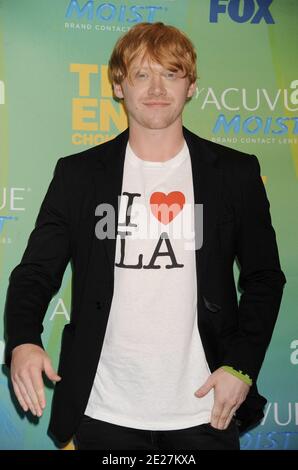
(161, 43)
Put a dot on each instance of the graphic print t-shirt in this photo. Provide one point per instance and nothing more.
(152, 360)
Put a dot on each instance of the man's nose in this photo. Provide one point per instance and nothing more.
(156, 86)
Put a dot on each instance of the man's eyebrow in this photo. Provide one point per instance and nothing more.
(135, 67)
(144, 67)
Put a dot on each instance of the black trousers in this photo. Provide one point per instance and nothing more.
(94, 434)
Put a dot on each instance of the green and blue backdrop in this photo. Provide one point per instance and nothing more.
(55, 100)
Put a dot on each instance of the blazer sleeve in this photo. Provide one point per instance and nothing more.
(38, 276)
(261, 279)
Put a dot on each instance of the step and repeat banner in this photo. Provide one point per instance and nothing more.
(56, 100)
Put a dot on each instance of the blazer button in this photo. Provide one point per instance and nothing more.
(98, 304)
(211, 306)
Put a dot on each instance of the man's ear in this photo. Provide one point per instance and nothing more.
(118, 90)
(191, 89)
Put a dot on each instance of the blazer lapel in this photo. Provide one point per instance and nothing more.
(207, 181)
(108, 176)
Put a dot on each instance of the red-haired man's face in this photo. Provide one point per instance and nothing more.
(156, 97)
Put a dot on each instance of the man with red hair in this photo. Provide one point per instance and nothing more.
(158, 353)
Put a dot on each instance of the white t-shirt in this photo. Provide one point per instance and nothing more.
(152, 360)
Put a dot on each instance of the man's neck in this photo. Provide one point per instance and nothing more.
(156, 145)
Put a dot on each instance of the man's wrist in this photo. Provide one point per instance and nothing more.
(239, 374)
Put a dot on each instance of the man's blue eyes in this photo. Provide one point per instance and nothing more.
(166, 74)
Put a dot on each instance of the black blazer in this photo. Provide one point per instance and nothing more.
(237, 225)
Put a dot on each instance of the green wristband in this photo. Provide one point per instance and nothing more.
(238, 374)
